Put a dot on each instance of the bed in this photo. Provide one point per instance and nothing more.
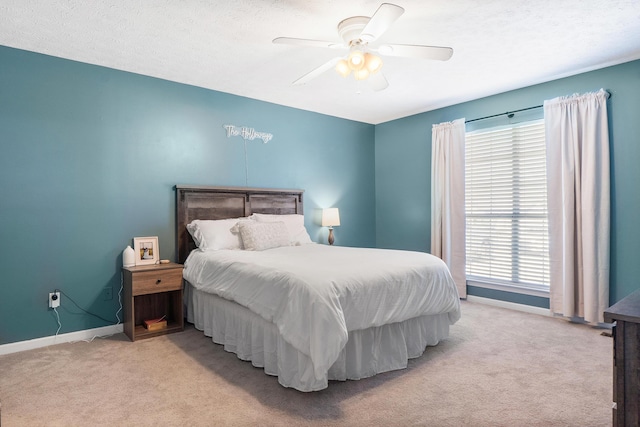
(304, 312)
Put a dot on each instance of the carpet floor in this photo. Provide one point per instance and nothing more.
(498, 367)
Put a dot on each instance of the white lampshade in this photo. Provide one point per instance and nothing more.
(362, 63)
(343, 68)
(373, 62)
(361, 74)
(356, 59)
(330, 217)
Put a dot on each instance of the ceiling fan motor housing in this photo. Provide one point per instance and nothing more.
(351, 28)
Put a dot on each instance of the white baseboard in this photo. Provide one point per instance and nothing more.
(510, 305)
(87, 334)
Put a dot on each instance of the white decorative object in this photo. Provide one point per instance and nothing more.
(128, 257)
(247, 133)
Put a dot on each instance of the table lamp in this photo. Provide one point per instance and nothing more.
(330, 218)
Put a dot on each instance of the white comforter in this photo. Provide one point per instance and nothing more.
(315, 293)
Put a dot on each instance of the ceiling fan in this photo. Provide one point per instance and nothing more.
(357, 32)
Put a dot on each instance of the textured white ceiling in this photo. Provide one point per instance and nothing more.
(225, 45)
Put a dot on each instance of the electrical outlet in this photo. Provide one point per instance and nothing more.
(54, 299)
(107, 293)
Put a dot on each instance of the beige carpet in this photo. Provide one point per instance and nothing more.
(498, 368)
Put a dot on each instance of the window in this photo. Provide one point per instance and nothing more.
(506, 208)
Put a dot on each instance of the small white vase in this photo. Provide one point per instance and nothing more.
(128, 257)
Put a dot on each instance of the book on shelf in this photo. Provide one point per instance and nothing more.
(155, 324)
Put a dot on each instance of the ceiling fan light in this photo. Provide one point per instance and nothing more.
(343, 68)
(356, 60)
(361, 74)
(373, 62)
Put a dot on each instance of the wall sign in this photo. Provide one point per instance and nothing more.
(247, 133)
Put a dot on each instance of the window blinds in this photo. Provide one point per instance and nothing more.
(506, 206)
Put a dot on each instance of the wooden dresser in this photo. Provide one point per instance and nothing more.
(626, 359)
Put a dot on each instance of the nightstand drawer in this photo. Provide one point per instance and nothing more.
(149, 282)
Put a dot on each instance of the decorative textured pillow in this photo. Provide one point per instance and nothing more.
(258, 236)
(298, 234)
(212, 235)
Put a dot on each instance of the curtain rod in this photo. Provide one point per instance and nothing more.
(508, 113)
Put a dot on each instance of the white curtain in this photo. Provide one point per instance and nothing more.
(447, 199)
(577, 138)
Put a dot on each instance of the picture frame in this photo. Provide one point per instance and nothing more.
(146, 250)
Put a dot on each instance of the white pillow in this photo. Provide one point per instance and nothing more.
(298, 234)
(258, 236)
(213, 235)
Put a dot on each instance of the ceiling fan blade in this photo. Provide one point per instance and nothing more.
(380, 22)
(416, 51)
(308, 42)
(316, 72)
(377, 81)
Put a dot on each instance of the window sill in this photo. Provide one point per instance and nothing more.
(544, 293)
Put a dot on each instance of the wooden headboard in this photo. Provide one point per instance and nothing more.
(201, 202)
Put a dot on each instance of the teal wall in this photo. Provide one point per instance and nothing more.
(403, 159)
(89, 157)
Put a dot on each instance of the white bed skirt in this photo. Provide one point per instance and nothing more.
(368, 352)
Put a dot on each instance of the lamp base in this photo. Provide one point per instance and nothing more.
(331, 239)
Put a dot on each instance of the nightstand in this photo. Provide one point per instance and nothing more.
(150, 292)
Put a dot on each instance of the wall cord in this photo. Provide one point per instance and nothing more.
(59, 324)
(92, 314)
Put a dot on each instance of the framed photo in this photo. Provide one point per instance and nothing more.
(146, 250)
